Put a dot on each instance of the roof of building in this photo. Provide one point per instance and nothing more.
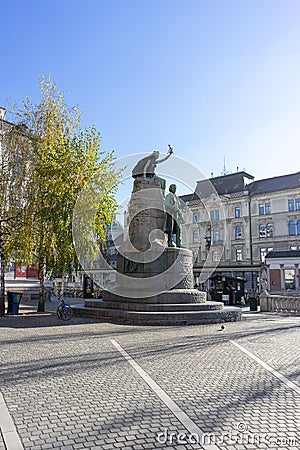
(283, 254)
(284, 182)
(225, 184)
(236, 184)
(189, 197)
(218, 275)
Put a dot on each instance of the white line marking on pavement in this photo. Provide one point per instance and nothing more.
(173, 407)
(269, 368)
(8, 430)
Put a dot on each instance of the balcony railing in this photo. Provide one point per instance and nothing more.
(217, 243)
(279, 303)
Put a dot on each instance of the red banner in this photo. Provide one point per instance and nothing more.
(26, 271)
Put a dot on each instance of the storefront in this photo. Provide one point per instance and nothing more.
(243, 279)
(227, 289)
(283, 271)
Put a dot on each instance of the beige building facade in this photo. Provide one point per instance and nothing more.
(235, 222)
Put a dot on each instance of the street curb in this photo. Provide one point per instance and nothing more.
(8, 430)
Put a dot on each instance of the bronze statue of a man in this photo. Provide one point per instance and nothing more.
(174, 217)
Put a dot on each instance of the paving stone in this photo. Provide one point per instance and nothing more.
(67, 387)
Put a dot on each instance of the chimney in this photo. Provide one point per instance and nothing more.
(2, 113)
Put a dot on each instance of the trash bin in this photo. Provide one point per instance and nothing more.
(13, 302)
(253, 302)
(9, 302)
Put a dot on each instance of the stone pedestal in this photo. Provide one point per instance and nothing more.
(152, 281)
(146, 214)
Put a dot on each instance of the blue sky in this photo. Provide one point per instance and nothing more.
(213, 78)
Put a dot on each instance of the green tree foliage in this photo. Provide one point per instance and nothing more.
(64, 158)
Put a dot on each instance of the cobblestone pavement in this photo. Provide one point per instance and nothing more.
(69, 385)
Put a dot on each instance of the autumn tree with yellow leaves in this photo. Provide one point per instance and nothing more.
(64, 157)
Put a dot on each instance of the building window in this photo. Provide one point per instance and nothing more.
(238, 254)
(238, 232)
(237, 211)
(195, 236)
(215, 255)
(264, 208)
(195, 217)
(291, 205)
(289, 279)
(264, 252)
(216, 235)
(214, 214)
(269, 230)
(262, 231)
(292, 228)
(265, 230)
(294, 204)
(295, 247)
(298, 227)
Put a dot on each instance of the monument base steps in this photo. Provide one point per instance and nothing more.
(135, 313)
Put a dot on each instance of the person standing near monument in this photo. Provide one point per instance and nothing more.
(174, 217)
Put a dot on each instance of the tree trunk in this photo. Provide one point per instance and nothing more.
(2, 274)
(62, 288)
(41, 304)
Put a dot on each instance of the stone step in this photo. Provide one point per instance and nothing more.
(156, 307)
(172, 296)
(227, 314)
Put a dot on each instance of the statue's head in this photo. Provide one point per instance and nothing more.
(172, 188)
(155, 154)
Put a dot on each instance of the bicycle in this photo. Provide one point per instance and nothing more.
(64, 311)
